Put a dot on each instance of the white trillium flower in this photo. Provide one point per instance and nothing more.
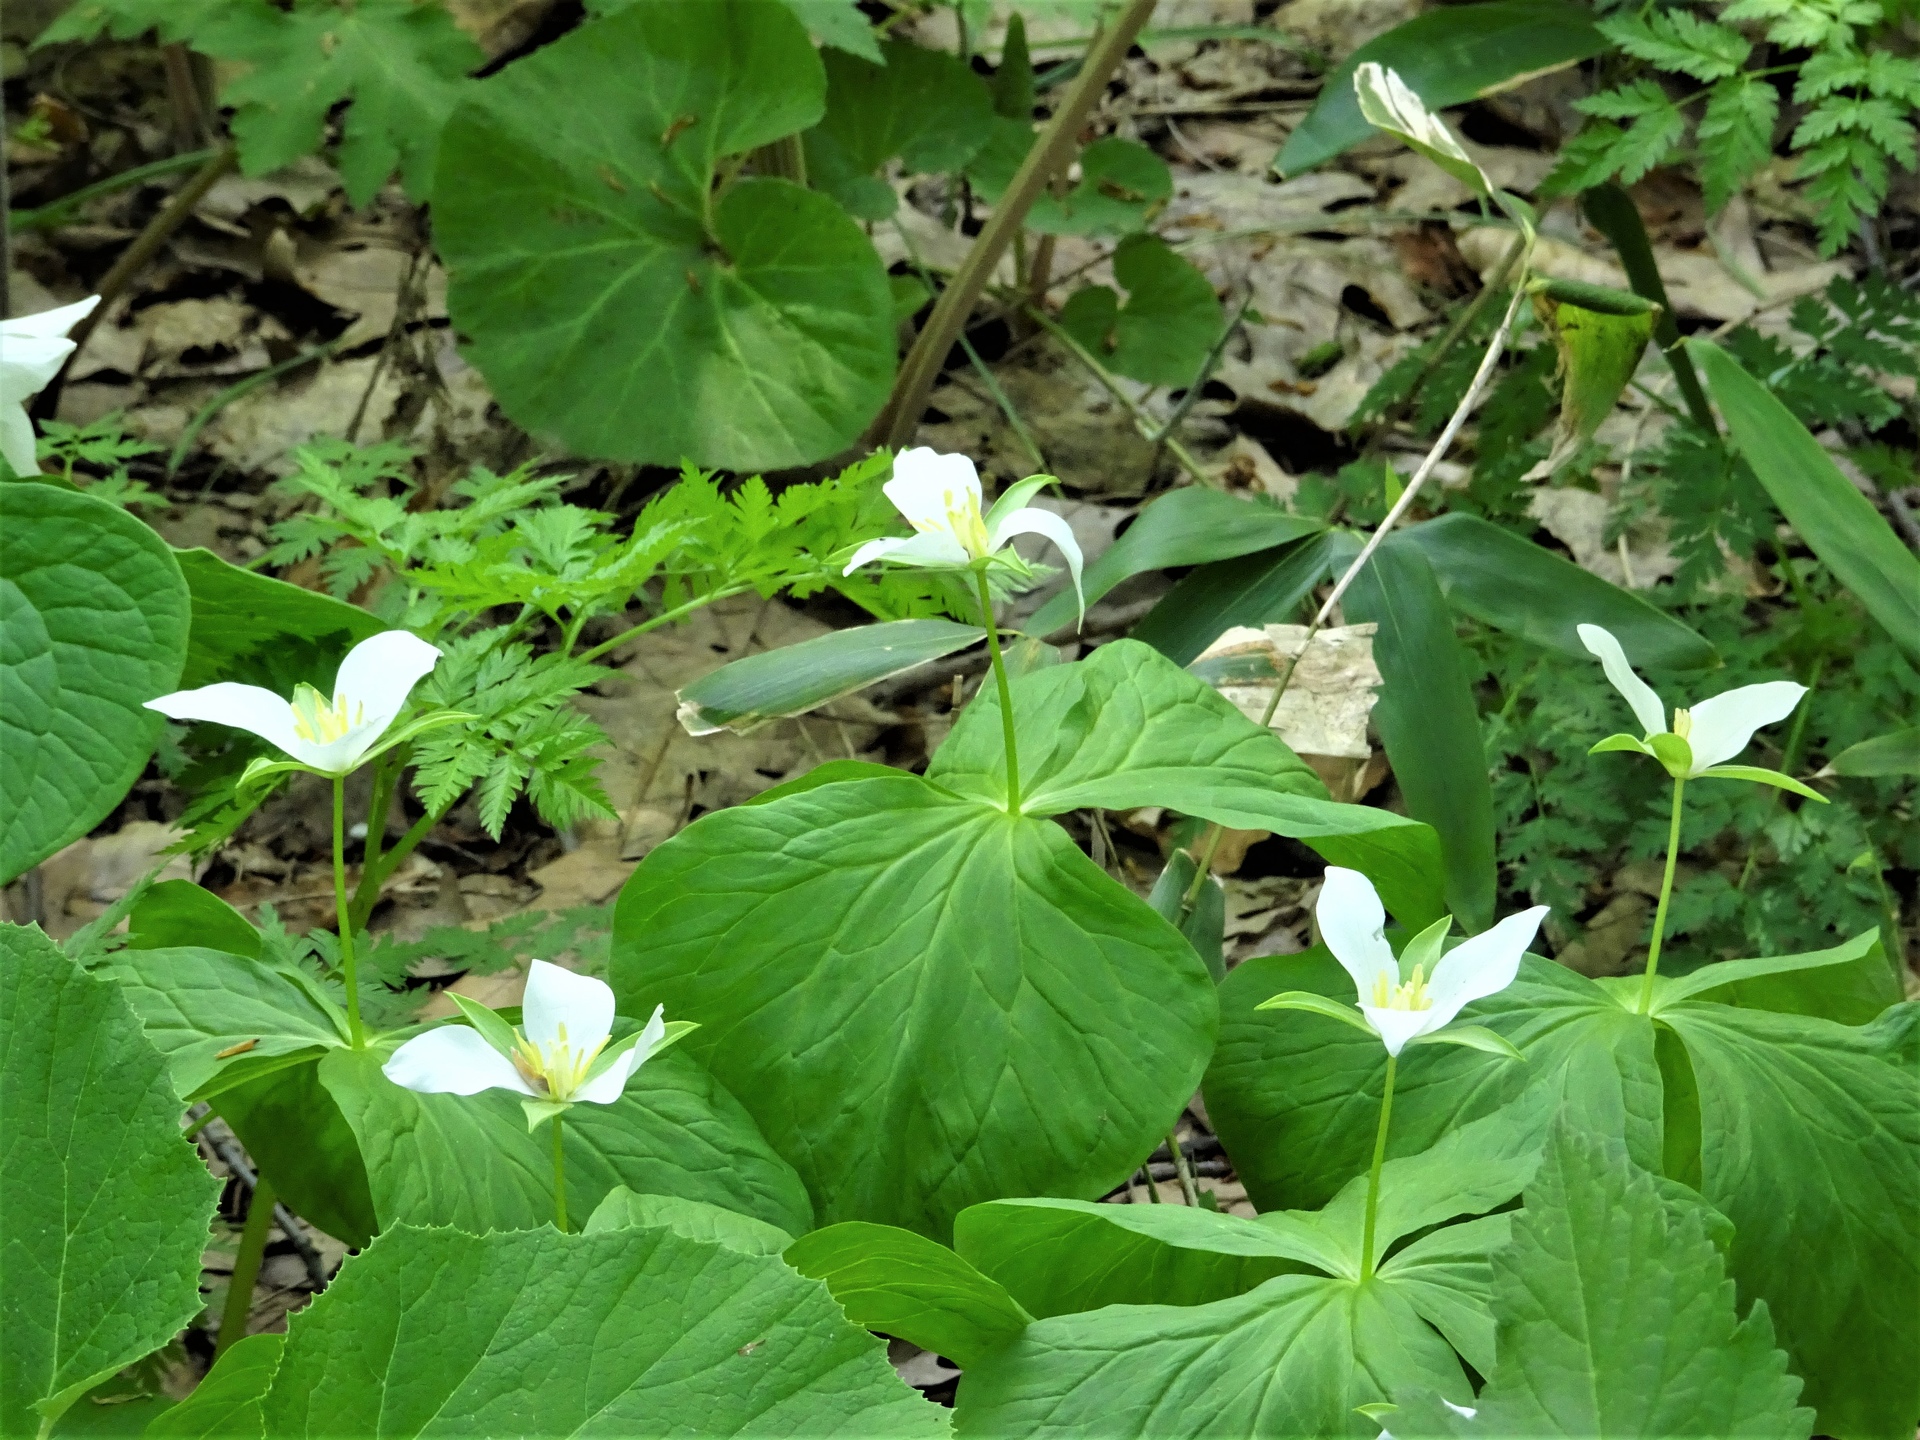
(1415, 996)
(329, 736)
(1709, 734)
(558, 1057)
(32, 350)
(940, 497)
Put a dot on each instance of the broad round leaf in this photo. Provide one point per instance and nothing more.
(609, 298)
(103, 1207)
(629, 1332)
(93, 622)
(924, 1001)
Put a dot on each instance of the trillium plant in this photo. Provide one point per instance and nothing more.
(557, 1057)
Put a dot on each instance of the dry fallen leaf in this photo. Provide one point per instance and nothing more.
(1324, 709)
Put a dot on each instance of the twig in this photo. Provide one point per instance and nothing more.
(895, 423)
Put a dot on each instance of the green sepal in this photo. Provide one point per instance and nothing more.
(1474, 1037)
(1674, 753)
(677, 1030)
(541, 1111)
(419, 725)
(1760, 776)
(1622, 742)
(1015, 496)
(1603, 299)
(1317, 1005)
(1426, 948)
(495, 1031)
(259, 769)
(1377, 1411)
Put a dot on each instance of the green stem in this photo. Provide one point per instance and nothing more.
(1666, 893)
(246, 1267)
(1189, 1191)
(356, 1032)
(1373, 1175)
(1006, 692)
(664, 618)
(559, 1178)
(375, 876)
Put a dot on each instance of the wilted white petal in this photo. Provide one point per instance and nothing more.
(1723, 725)
(1647, 708)
(1034, 521)
(1353, 925)
(1397, 1027)
(555, 997)
(1481, 965)
(244, 707)
(453, 1060)
(606, 1087)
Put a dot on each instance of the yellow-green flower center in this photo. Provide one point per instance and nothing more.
(1402, 995)
(1682, 723)
(557, 1070)
(320, 722)
(963, 520)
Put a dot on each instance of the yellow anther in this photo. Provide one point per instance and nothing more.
(1409, 995)
(320, 722)
(1682, 723)
(556, 1070)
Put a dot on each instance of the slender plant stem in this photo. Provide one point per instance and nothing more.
(1373, 1175)
(348, 967)
(1006, 692)
(375, 876)
(665, 617)
(1666, 893)
(559, 1177)
(1189, 1191)
(246, 1267)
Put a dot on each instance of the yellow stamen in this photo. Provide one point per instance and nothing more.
(1682, 723)
(1410, 995)
(556, 1070)
(321, 723)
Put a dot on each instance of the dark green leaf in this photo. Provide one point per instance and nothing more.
(96, 624)
(609, 298)
(177, 913)
(1006, 1018)
(1204, 924)
(1166, 328)
(906, 1285)
(1256, 589)
(237, 614)
(296, 1134)
(1896, 753)
(1122, 183)
(922, 105)
(799, 678)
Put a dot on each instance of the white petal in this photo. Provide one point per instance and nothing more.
(17, 439)
(875, 550)
(28, 363)
(380, 672)
(936, 549)
(606, 1087)
(1482, 964)
(244, 707)
(1353, 924)
(927, 486)
(453, 1060)
(1397, 1027)
(55, 323)
(1034, 521)
(1723, 725)
(1647, 708)
(555, 997)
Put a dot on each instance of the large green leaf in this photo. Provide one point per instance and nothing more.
(925, 106)
(924, 1001)
(1293, 1357)
(628, 1332)
(903, 1284)
(796, 678)
(610, 297)
(1526, 590)
(1895, 753)
(238, 613)
(1616, 1318)
(93, 623)
(1850, 983)
(1810, 1144)
(103, 1206)
(1447, 57)
(1127, 727)
(1189, 526)
(1164, 331)
(293, 1129)
(693, 1219)
(1257, 589)
(1835, 519)
(468, 1161)
(1294, 1096)
(1428, 719)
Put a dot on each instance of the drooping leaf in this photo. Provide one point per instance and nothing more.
(690, 1219)
(1166, 327)
(1616, 1317)
(1006, 1018)
(468, 1161)
(1428, 719)
(637, 1331)
(797, 678)
(1127, 727)
(1447, 57)
(1599, 351)
(96, 624)
(1838, 523)
(1189, 526)
(1493, 575)
(575, 209)
(292, 1128)
(238, 613)
(905, 1285)
(924, 106)
(1258, 589)
(103, 1206)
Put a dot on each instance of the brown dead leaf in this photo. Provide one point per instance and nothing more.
(1325, 706)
